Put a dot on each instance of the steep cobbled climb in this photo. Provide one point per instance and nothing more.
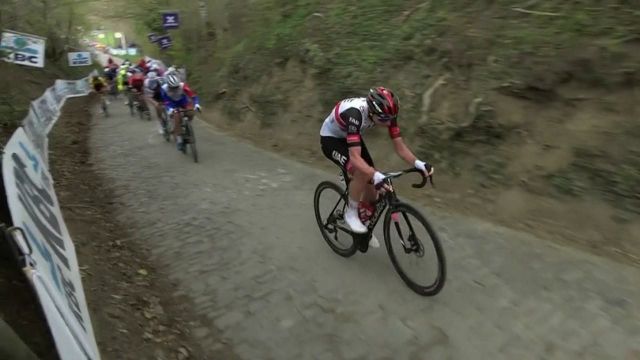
(238, 232)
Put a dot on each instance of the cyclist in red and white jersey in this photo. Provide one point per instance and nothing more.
(342, 143)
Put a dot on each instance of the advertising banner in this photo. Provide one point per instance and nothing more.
(35, 209)
(79, 58)
(22, 49)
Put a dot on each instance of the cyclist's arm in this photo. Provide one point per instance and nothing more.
(354, 122)
(398, 144)
(403, 151)
(191, 94)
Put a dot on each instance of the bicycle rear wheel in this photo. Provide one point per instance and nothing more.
(329, 202)
(190, 139)
(416, 239)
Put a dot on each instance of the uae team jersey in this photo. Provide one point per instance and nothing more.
(349, 118)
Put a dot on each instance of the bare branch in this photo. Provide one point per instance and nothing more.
(426, 97)
(543, 13)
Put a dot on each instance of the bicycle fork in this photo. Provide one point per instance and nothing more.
(410, 244)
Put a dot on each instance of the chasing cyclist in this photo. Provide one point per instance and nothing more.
(99, 85)
(177, 95)
(121, 78)
(153, 93)
(136, 87)
(341, 141)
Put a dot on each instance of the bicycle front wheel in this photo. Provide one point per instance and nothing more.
(414, 249)
(130, 104)
(165, 126)
(191, 140)
(104, 107)
(329, 202)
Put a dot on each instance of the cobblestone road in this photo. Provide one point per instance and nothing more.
(238, 231)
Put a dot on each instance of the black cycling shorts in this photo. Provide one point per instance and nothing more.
(336, 150)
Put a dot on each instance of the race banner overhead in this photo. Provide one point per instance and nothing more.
(22, 49)
(153, 37)
(164, 42)
(170, 20)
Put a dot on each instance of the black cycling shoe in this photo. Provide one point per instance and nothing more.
(363, 242)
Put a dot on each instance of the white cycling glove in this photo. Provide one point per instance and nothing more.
(378, 177)
(421, 165)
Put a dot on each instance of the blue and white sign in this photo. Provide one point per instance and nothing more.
(164, 42)
(170, 20)
(22, 49)
(79, 59)
(153, 37)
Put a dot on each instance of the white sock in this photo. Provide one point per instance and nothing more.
(353, 204)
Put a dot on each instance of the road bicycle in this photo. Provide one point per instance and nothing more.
(188, 135)
(403, 226)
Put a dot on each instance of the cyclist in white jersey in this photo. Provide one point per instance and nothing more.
(340, 137)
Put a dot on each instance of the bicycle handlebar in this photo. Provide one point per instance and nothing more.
(425, 179)
(182, 111)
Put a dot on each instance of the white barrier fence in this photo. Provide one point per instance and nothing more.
(39, 232)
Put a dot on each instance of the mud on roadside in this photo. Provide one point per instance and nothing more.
(132, 315)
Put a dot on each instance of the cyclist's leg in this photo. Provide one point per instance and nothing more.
(335, 149)
(129, 96)
(177, 129)
(144, 101)
(160, 110)
(140, 98)
(370, 195)
(191, 113)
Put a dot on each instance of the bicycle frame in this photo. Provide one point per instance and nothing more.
(387, 200)
(381, 205)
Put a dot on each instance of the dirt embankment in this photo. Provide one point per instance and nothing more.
(528, 111)
(547, 167)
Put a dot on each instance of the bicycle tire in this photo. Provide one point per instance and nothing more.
(104, 108)
(346, 252)
(165, 129)
(192, 141)
(438, 284)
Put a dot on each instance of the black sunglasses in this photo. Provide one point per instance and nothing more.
(385, 117)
